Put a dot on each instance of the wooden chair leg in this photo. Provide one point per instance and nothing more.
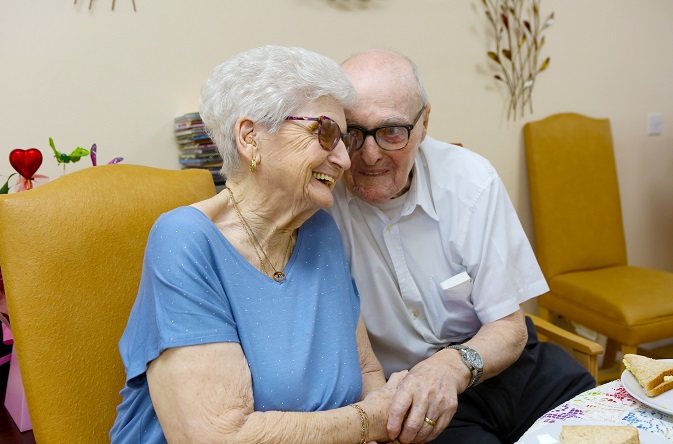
(610, 354)
(611, 370)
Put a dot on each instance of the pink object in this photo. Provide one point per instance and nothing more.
(7, 339)
(15, 397)
(23, 184)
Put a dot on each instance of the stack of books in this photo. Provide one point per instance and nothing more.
(197, 150)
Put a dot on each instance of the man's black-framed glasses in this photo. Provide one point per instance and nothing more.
(329, 132)
(388, 137)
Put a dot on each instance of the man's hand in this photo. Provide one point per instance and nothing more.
(430, 390)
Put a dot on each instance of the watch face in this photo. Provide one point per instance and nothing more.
(475, 358)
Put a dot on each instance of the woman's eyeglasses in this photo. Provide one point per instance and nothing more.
(389, 137)
(329, 132)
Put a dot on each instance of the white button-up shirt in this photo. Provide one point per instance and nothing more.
(435, 264)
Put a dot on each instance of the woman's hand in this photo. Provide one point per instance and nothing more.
(377, 405)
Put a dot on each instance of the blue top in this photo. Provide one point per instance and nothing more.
(298, 335)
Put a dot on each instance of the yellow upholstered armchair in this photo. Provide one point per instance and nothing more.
(580, 241)
(71, 254)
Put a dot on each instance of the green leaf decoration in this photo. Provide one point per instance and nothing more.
(78, 153)
(60, 157)
(73, 157)
(5, 187)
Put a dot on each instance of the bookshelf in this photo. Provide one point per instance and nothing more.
(196, 148)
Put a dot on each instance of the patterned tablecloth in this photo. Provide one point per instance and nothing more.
(611, 403)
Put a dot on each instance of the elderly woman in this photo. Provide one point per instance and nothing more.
(247, 324)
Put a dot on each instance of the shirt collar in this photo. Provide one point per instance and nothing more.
(419, 193)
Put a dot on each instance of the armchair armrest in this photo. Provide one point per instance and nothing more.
(583, 350)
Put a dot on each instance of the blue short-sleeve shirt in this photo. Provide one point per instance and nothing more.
(298, 335)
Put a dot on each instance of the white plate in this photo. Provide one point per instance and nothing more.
(663, 402)
(549, 433)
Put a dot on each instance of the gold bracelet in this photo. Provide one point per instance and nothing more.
(364, 424)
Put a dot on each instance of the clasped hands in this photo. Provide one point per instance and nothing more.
(428, 394)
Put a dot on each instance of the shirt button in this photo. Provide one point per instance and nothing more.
(416, 313)
(389, 227)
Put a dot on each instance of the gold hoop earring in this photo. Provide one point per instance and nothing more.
(253, 165)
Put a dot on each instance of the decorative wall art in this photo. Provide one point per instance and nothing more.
(113, 4)
(517, 31)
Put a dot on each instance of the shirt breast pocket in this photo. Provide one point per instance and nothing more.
(456, 288)
(453, 315)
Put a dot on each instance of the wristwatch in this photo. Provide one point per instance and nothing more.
(473, 362)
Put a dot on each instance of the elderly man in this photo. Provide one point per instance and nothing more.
(442, 265)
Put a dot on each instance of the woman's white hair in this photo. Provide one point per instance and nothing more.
(266, 85)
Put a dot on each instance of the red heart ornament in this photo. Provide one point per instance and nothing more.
(26, 162)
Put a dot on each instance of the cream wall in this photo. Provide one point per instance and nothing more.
(119, 78)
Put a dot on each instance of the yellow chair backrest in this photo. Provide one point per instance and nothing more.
(574, 194)
(71, 254)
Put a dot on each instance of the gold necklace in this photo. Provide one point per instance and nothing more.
(278, 275)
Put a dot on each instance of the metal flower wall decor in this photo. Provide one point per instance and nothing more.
(518, 32)
(113, 4)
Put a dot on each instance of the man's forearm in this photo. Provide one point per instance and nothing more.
(500, 343)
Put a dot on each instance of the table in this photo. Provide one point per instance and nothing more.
(610, 403)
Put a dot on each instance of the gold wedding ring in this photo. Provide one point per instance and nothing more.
(429, 421)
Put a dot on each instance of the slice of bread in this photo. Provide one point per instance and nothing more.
(598, 434)
(654, 376)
